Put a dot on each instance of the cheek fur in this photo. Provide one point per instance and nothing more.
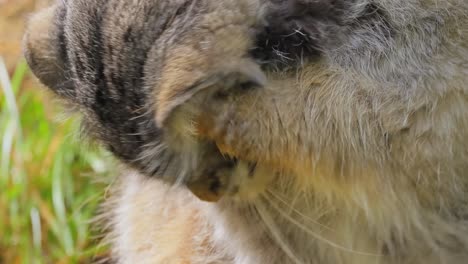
(230, 142)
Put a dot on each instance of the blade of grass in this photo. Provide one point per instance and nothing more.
(10, 100)
(45, 203)
(18, 76)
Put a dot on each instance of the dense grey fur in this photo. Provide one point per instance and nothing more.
(356, 109)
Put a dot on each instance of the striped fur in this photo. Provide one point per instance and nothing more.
(272, 131)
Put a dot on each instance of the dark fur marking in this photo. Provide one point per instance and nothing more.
(252, 167)
(66, 86)
(128, 75)
(297, 31)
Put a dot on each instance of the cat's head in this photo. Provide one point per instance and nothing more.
(201, 91)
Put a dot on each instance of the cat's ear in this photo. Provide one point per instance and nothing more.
(180, 83)
(44, 49)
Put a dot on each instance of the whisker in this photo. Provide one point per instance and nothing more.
(290, 207)
(275, 231)
(317, 236)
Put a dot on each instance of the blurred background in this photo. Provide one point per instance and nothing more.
(51, 182)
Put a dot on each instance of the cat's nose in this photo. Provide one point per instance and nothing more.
(212, 184)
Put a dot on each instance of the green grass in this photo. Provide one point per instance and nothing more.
(49, 189)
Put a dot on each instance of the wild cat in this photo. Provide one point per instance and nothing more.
(272, 131)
